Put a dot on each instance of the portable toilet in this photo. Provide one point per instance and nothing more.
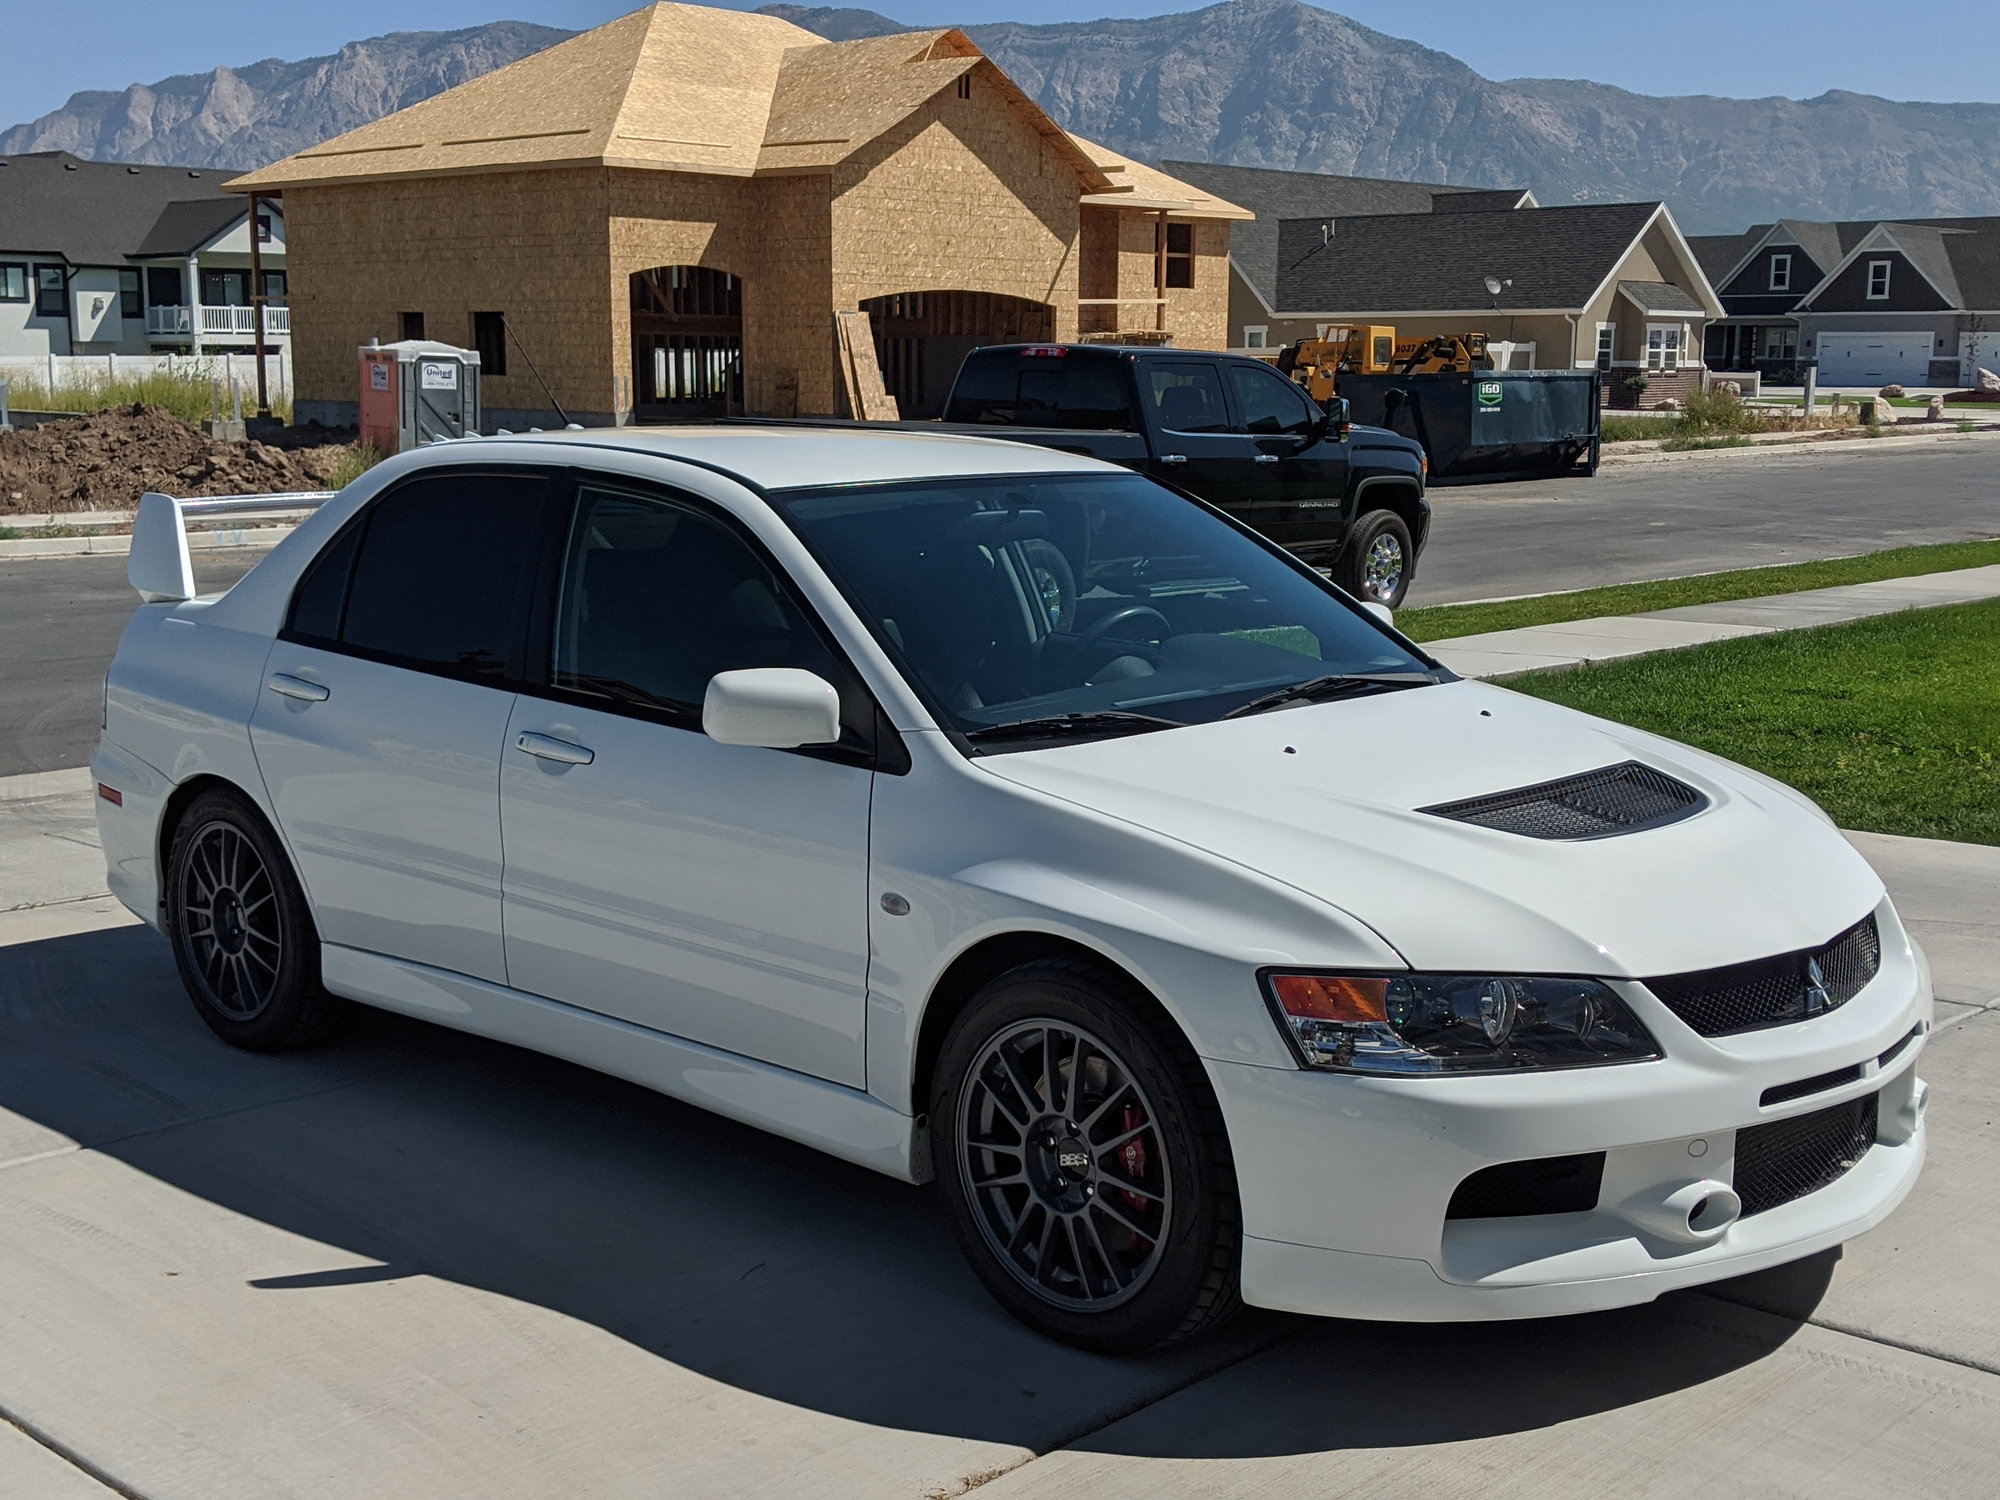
(417, 392)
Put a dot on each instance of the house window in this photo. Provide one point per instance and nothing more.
(274, 288)
(13, 283)
(1781, 273)
(1254, 334)
(1663, 347)
(264, 235)
(1878, 280)
(1180, 254)
(489, 337)
(412, 325)
(51, 292)
(163, 286)
(1607, 334)
(965, 86)
(1781, 344)
(131, 301)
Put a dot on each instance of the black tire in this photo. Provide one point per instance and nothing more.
(242, 935)
(1379, 559)
(1150, 1153)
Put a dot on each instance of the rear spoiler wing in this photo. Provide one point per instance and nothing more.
(160, 568)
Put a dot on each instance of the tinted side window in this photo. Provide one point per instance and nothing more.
(322, 594)
(1080, 393)
(1267, 403)
(985, 389)
(657, 599)
(443, 574)
(1186, 397)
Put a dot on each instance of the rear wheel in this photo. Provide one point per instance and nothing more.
(1376, 564)
(242, 935)
(1083, 1161)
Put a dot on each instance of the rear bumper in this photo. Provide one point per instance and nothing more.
(129, 831)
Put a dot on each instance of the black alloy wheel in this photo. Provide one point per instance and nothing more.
(242, 935)
(1083, 1161)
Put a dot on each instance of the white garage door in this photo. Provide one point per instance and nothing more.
(1874, 358)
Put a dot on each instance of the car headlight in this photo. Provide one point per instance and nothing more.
(1454, 1023)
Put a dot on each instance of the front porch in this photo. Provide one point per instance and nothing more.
(172, 323)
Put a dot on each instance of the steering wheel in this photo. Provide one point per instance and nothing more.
(1094, 637)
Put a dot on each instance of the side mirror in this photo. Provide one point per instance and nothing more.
(777, 708)
(1339, 419)
(1381, 612)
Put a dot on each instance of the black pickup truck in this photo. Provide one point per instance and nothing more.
(1227, 428)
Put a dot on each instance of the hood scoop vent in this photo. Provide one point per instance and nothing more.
(1591, 805)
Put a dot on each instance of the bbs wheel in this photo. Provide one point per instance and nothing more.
(1083, 1161)
(242, 936)
(1376, 564)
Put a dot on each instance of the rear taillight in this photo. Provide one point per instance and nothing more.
(1044, 351)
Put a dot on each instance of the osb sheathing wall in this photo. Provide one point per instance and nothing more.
(529, 244)
(1197, 316)
(963, 195)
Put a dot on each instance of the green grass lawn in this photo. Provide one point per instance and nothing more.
(1890, 724)
(1442, 621)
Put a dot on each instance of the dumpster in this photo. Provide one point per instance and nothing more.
(1491, 423)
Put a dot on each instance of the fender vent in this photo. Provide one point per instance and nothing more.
(1593, 805)
(1775, 991)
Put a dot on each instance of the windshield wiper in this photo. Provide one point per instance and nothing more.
(1062, 726)
(1334, 685)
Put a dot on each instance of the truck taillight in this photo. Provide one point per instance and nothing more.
(1044, 351)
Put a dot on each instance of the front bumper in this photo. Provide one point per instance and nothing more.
(1345, 1180)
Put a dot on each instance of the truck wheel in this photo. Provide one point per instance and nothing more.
(1083, 1162)
(242, 935)
(1376, 564)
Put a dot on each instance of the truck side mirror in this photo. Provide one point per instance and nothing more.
(1339, 419)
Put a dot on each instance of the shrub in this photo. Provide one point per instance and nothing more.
(188, 392)
(355, 460)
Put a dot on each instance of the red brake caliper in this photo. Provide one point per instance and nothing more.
(1132, 1156)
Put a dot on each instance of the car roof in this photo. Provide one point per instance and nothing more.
(787, 457)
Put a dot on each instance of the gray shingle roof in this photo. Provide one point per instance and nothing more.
(190, 224)
(1272, 195)
(1661, 297)
(1720, 254)
(1555, 257)
(92, 213)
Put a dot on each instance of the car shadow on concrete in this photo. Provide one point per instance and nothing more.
(734, 1254)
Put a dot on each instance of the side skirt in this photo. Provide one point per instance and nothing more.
(842, 1122)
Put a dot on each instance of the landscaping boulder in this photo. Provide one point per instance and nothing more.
(1889, 391)
(1729, 388)
(1936, 412)
(1987, 381)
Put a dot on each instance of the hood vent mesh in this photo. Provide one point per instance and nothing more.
(1592, 805)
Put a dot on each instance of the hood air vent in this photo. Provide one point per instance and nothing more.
(1592, 805)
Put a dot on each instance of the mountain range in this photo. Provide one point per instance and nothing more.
(1273, 83)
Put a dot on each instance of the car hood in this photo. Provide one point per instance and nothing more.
(1323, 798)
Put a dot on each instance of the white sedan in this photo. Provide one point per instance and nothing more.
(987, 814)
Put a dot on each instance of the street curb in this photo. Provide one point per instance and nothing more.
(121, 545)
(1833, 445)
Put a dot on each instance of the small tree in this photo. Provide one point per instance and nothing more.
(1636, 384)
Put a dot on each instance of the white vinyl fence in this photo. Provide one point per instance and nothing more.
(26, 373)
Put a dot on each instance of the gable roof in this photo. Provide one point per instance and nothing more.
(98, 213)
(1661, 297)
(1723, 255)
(684, 88)
(1274, 195)
(185, 226)
(1959, 257)
(1133, 184)
(1557, 259)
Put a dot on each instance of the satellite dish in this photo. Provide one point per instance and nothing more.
(1493, 285)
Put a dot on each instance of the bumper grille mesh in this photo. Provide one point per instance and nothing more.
(1594, 805)
(1787, 1159)
(1775, 991)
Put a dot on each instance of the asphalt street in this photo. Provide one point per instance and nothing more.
(60, 619)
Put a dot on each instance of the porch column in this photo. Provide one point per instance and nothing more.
(194, 302)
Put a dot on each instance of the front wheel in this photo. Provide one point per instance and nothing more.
(1083, 1162)
(1376, 564)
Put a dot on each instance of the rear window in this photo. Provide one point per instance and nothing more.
(1040, 391)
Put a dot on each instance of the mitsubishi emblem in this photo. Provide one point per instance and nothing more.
(1817, 999)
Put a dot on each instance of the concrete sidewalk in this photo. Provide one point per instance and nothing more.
(1501, 653)
(418, 1266)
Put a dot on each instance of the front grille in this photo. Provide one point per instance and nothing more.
(1898, 1048)
(1775, 991)
(1593, 805)
(1784, 1093)
(1787, 1159)
(1515, 1189)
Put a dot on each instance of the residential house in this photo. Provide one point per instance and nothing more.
(1614, 285)
(105, 258)
(1274, 195)
(660, 218)
(1873, 301)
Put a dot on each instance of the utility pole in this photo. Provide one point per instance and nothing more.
(257, 303)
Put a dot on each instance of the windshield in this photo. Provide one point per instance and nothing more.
(1015, 599)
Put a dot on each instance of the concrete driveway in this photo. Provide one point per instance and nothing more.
(420, 1265)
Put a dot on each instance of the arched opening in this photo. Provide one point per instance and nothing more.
(687, 344)
(921, 338)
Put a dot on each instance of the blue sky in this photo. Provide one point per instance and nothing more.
(1942, 49)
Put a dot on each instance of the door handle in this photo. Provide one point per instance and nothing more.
(1173, 458)
(289, 686)
(1267, 458)
(547, 747)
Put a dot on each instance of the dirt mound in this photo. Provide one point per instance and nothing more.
(106, 459)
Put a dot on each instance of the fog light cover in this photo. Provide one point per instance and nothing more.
(1453, 1023)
